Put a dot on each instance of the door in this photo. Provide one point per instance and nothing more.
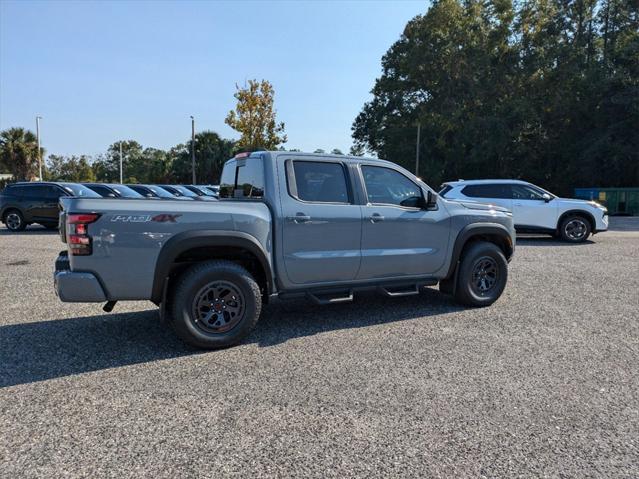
(51, 209)
(35, 202)
(399, 237)
(321, 225)
(530, 209)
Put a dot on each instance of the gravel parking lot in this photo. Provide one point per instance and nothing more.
(543, 383)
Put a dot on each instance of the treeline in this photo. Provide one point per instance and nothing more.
(146, 165)
(544, 90)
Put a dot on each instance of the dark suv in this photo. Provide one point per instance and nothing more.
(22, 204)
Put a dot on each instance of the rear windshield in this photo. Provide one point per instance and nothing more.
(79, 190)
(243, 179)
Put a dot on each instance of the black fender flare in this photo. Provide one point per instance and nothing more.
(478, 229)
(187, 240)
(584, 213)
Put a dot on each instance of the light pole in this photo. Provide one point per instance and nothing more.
(193, 147)
(121, 162)
(419, 127)
(38, 118)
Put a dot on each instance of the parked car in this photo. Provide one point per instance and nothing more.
(22, 204)
(287, 224)
(183, 191)
(107, 190)
(201, 190)
(534, 209)
(153, 191)
(215, 189)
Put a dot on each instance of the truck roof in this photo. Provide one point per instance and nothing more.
(322, 156)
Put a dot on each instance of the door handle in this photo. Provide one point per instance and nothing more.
(299, 218)
(376, 217)
(518, 204)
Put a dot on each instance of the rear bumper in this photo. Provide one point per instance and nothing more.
(75, 286)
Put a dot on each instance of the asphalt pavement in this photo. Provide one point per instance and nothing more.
(545, 383)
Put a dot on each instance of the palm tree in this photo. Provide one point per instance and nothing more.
(19, 153)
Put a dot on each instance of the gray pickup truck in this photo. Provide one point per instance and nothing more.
(289, 225)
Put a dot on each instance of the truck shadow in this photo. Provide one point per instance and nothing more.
(32, 352)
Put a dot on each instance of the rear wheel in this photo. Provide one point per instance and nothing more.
(14, 220)
(483, 272)
(574, 229)
(215, 304)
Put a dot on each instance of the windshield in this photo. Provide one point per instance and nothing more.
(161, 192)
(184, 190)
(79, 190)
(126, 192)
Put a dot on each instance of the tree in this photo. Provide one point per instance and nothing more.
(336, 151)
(19, 153)
(211, 152)
(107, 167)
(254, 117)
(74, 169)
(546, 91)
(356, 150)
(319, 150)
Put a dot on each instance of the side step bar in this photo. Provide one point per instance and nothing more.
(345, 295)
(331, 298)
(398, 292)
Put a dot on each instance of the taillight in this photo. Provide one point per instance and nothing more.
(78, 237)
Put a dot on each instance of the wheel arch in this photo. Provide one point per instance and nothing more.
(491, 232)
(582, 213)
(190, 247)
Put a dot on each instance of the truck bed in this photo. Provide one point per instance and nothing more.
(130, 233)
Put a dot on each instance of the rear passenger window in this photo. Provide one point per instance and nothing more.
(318, 182)
(487, 191)
(36, 191)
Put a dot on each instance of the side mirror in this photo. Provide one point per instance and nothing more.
(111, 195)
(546, 197)
(431, 200)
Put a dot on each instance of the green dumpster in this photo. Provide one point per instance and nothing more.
(620, 201)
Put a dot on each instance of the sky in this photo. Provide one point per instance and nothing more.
(98, 72)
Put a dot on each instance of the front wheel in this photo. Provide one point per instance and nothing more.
(215, 304)
(574, 229)
(482, 276)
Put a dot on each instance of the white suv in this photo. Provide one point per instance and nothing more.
(534, 209)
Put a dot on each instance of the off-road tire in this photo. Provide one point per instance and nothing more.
(200, 284)
(482, 264)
